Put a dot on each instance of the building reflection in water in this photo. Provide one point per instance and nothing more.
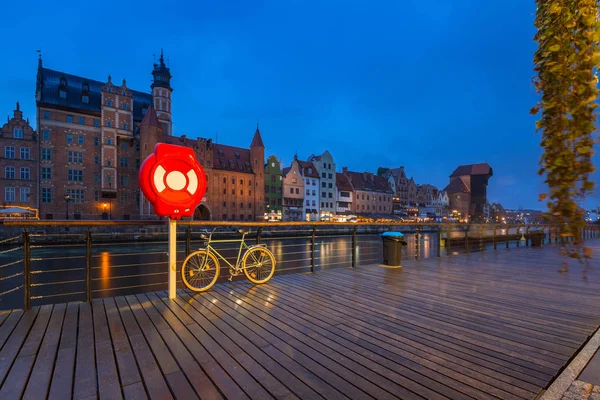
(104, 270)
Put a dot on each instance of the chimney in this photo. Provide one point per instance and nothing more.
(344, 170)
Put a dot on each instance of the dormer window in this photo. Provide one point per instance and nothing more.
(85, 99)
(109, 103)
(63, 82)
(85, 87)
(125, 106)
(62, 94)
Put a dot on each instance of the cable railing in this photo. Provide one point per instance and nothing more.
(64, 261)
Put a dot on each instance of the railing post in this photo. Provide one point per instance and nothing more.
(26, 270)
(527, 236)
(507, 241)
(518, 238)
(417, 240)
(354, 246)
(467, 239)
(188, 240)
(481, 246)
(556, 235)
(88, 266)
(258, 235)
(494, 238)
(439, 242)
(312, 249)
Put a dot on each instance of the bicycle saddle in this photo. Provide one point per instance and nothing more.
(244, 231)
(203, 236)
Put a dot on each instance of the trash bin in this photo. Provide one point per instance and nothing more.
(392, 247)
(537, 238)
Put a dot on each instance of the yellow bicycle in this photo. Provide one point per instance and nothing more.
(200, 270)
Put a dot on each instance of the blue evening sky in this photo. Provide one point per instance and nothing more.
(424, 84)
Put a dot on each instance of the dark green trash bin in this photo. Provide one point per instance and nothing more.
(392, 248)
(537, 238)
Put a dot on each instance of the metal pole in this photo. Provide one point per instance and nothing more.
(258, 235)
(467, 239)
(172, 258)
(26, 270)
(188, 241)
(494, 238)
(481, 246)
(417, 240)
(88, 266)
(312, 249)
(527, 236)
(439, 242)
(354, 246)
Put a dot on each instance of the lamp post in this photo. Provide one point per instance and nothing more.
(110, 201)
(67, 201)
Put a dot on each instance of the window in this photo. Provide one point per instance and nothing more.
(96, 177)
(224, 180)
(108, 163)
(9, 194)
(123, 146)
(308, 192)
(323, 184)
(46, 114)
(233, 181)
(96, 140)
(46, 135)
(85, 99)
(69, 138)
(18, 133)
(46, 154)
(9, 172)
(324, 165)
(314, 203)
(62, 94)
(224, 191)
(123, 198)
(297, 191)
(75, 175)
(224, 217)
(314, 193)
(330, 176)
(81, 120)
(233, 217)
(250, 183)
(109, 124)
(75, 157)
(9, 151)
(322, 204)
(96, 123)
(70, 119)
(294, 180)
(108, 103)
(124, 180)
(125, 106)
(241, 217)
(323, 195)
(241, 205)
(46, 173)
(96, 195)
(232, 191)
(291, 190)
(46, 195)
(331, 186)
(124, 162)
(323, 175)
(249, 217)
(307, 203)
(80, 139)
(109, 141)
(124, 126)
(76, 195)
(329, 166)
(249, 205)
(249, 192)
(24, 194)
(137, 148)
(272, 178)
(96, 159)
(25, 153)
(266, 189)
(137, 163)
(109, 179)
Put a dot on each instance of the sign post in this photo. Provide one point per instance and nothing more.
(174, 183)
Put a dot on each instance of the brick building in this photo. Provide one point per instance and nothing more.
(293, 192)
(273, 188)
(94, 135)
(18, 162)
(467, 191)
(372, 193)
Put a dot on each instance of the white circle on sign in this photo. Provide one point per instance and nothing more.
(176, 180)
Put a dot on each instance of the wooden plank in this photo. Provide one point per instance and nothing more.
(15, 341)
(128, 369)
(62, 377)
(197, 377)
(4, 314)
(17, 378)
(135, 391)
(86, 383)
(152, 376)
(109, 386)
(9, 325)
(38, 385)
(213, 369)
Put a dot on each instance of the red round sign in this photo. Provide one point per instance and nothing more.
(173, 181)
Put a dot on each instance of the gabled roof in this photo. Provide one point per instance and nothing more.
(150, 118)
(342, 182)
(472, 169)
(368, 181)
(229, 158)
(51, 83)
(456, 186)
(305, 166)
(257, 139)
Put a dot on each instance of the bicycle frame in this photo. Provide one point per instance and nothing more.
(243, 247)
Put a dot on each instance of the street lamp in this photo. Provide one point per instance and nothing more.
(67, 201)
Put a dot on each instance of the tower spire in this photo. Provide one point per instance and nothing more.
(162, 58)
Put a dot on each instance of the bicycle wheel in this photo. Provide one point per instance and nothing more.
(258, 264)
(200, 270)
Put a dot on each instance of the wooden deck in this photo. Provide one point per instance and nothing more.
(493, 325)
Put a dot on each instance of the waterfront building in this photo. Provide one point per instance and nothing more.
(18, 162)
(405, 189)
(372, 194)
(293, 193)
(273, 189)
(312, 183)
(326, 169)
(345, 195)
(95, 134)
(467, 191)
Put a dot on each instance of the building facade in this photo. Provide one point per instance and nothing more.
(94, 136)
(18, 162)
(372, 194)
(293, 193)
(345, 194)
(326, 168)
(467, 191)
(273, 189)
(312, 183)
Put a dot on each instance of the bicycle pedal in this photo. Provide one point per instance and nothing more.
(230, 278)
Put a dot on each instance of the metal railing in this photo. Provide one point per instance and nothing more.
(63, 261)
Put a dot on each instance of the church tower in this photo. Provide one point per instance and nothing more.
(257, 158)
(161, 95)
